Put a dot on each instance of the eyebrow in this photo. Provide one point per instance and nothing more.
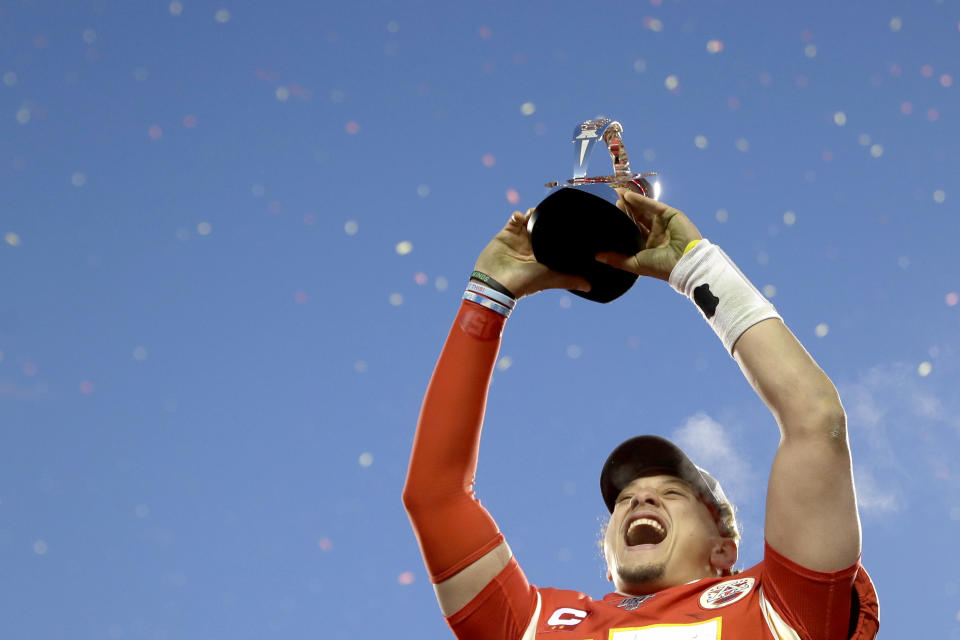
(680, 482)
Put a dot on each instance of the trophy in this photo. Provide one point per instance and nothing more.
(579, 218)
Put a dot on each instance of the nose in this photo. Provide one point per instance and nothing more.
(645, 496)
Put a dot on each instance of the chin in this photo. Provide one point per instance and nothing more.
(643, 576)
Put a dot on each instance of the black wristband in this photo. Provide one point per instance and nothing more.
(493, 284)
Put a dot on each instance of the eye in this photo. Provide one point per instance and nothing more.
(675, 492)
(623, 498)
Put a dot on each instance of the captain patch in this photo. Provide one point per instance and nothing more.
(728, 592)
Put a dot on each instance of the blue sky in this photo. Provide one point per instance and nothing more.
(234, 236)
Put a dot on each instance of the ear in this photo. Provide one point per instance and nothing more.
(724, 554)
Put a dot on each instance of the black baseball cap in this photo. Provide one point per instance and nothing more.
(648, 455)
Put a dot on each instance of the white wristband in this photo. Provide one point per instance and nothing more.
(725, 297)
(493, 294)
(486, 302)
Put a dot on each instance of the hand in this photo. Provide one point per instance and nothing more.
(668, 232)
(509, 260)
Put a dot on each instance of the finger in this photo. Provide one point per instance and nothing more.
(567, 281)
(640, 264)
(642, 207)
(636, 220)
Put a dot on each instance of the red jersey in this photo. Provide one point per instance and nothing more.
(774, 600)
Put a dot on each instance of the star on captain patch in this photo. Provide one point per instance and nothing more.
(728, 592)
(629, 604)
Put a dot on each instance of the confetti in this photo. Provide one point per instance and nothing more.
(12, 239)
(404, 247)
(671, 82)
(423, 191)
(876, 150)
(300, 297)
(86, 387)
(528, 108)
(714, 46)
(924, 369)
(504, 363)
(946, 80)
(789, 218)
(769, 290)
(40, 547)
(939, 196)
(839, 118)
(204, 228)
(821, 330)
(366, 459)
(639, 66)
(78, 179)
(441, 283)
(512, 196)
(176, 7)
(722, 215)
(484, 32)
(189, 121)
(393, 26)
(10, 78)
(488, 160)
(405, 578)
(352, 128)
(420, 278)
(282, 94)
(324, 544)
(700, 142)
(574, 351)
(351, 227)
(896, 23)
(222, 16)
(23, 115)
(396, 299)
(810, 51)
(155, 132)
(742, 144)
(926, 71)
(952, 298)
(140, 353)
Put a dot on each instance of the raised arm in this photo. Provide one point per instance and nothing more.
(811, 507)
(461, 544)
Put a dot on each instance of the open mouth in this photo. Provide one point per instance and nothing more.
(643, 531)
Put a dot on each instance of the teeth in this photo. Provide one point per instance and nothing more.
(648, 522)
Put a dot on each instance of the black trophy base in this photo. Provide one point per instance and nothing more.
(571, 226)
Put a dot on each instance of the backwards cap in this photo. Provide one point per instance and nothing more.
(648, 455)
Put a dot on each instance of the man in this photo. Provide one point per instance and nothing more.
(672, 540)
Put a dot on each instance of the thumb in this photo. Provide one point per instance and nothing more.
(648, 262)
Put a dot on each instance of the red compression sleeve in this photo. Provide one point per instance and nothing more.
(452, 528)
